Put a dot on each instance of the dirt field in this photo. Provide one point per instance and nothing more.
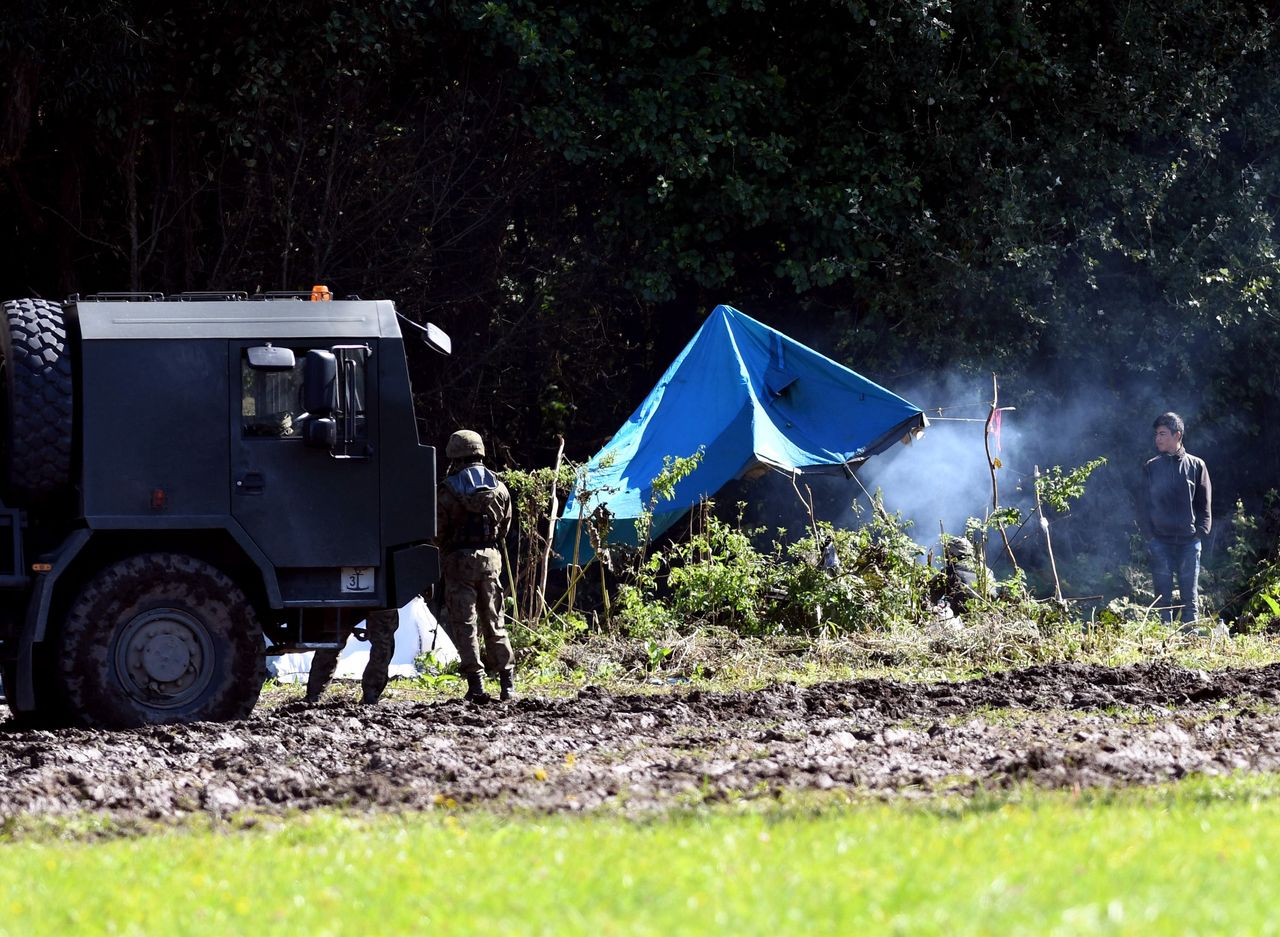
(1057, 726)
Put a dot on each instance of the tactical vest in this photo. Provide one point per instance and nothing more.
(479, 530)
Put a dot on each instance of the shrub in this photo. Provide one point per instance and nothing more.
(717, 577)
(545, 638)
(853, 580)
(833, 581)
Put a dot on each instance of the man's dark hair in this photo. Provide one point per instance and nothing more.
(1170, 421)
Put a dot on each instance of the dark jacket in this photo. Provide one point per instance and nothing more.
(1176, 495)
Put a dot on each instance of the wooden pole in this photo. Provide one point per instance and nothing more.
(991, 464)
(544, 567)
(1044, 525)
(511, 578)
(808, 506)
(575, 571)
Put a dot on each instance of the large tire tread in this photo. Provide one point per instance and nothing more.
(95, 693)
(39, 400)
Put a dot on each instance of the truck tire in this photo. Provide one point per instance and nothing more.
(37, 402)
(161, 637)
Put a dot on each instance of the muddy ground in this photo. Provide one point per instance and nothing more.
(1056, 726)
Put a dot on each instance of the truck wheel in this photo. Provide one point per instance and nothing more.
(37, 399)
(161, 637)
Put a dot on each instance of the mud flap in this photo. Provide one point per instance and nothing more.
(22, 697)
(414, 571)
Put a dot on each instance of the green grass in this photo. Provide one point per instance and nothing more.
(1200, 857)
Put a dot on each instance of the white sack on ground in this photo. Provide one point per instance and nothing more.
(419, 633)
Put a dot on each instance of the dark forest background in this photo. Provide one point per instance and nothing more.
(1079, 195)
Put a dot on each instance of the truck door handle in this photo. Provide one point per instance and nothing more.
(251, 483)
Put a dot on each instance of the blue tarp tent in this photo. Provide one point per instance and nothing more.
(754, 400)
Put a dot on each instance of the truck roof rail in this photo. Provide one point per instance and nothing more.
(194, 296)
(125, 297)
(191, 296)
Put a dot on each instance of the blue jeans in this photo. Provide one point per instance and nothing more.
(1183, 560)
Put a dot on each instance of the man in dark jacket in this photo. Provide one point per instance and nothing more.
(1174, 516)
(473, 515)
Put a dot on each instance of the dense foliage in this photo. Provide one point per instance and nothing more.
(1079, 194)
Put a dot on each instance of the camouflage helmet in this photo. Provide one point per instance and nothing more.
(464, 443)
(958, 548)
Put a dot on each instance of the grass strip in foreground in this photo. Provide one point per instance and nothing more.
(1200, 857)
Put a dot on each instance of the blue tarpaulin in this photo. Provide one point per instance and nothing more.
(753, 400)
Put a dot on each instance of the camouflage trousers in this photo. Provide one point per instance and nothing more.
(380, 629)
(473, 608)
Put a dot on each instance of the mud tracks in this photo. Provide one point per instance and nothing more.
(1059, 725)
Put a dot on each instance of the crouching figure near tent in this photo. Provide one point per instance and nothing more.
(473, 515)
(964, 578)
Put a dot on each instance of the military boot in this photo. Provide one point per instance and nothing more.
(475, 689)
(506, 684)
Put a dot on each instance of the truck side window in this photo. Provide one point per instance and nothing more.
(270, 401)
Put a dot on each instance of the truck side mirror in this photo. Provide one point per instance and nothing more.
(320, 383)
(271, 358)
(320, 432)
(438, 339)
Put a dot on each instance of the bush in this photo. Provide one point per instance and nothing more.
(717, 577)
(1250, 574)
(545, 638)
(642, 615)
(854, 580)
(842, 581)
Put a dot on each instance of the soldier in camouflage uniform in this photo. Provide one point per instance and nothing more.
(380, 631)
(473, 515)
(963, 581)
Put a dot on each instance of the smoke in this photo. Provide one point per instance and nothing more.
(1059, 417)
(936, 483)
(941, 480)
(1056, 419)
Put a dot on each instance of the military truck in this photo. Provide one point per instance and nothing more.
(192, 482)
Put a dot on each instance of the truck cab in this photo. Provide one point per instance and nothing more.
(244, 476)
